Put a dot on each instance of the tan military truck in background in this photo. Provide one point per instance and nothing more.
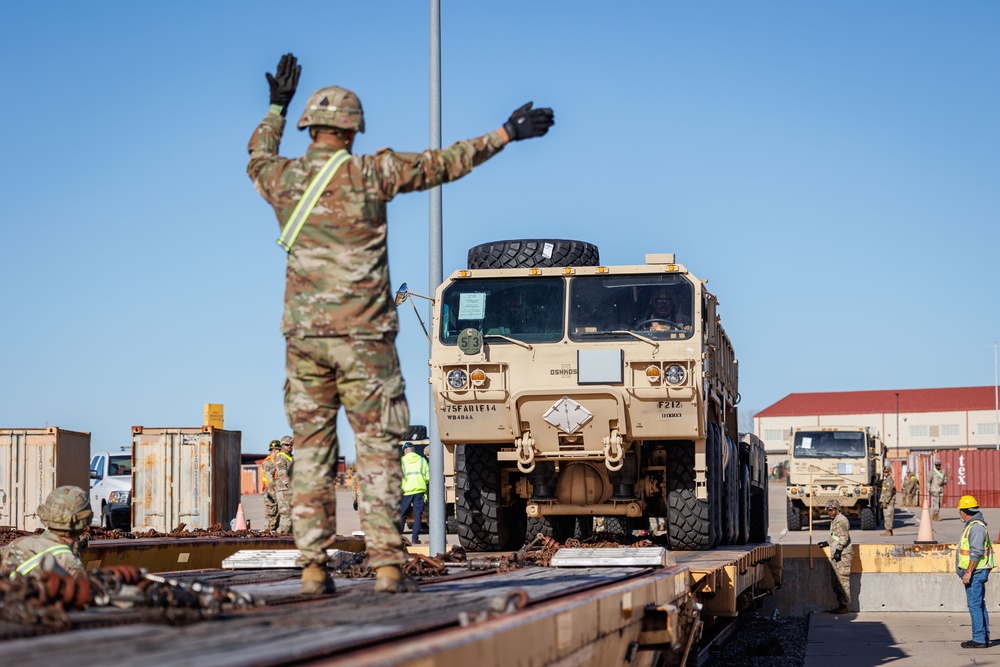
(842, 463)
(567, 390)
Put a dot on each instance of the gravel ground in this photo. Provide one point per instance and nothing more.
(761, 641)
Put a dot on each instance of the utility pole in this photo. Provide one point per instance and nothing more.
(437, 530)
(897, 424)
(996, 395)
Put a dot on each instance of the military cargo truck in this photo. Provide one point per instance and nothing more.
(568, 390)
(842, 463)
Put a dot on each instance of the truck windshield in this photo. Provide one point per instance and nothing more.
(829, 445)
(657, 306)
(120, 465)
(527, 309)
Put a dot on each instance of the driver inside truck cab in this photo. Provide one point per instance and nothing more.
(663, 314)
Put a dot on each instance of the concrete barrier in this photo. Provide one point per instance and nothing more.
(884, 578)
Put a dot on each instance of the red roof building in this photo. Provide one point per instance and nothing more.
(928, 419)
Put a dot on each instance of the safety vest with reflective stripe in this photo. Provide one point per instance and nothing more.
(308, 202)
(25, 568)
(263, 470)
(415, 473)
(986, 560)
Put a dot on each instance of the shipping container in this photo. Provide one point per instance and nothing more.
(33, 462)
(250, 480)
(184, 475)
(974, 472)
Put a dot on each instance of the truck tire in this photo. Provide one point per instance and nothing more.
(532, 253)
(618, 525)
(481, 525)
(713, 454)
(794, 517)
(868, 519)
(559, 528)
(689, 522)
(758, 517)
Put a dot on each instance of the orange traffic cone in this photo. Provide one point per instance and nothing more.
(925, 534)
(241, 520)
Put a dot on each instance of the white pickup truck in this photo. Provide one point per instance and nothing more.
(110, 482)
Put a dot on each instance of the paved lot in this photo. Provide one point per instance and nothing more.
(910, 639)
(907, 522)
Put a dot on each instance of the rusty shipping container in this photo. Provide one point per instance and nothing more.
(184, 475)
(974, 472)
(33, 462)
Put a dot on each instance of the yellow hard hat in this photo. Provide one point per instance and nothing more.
(966, 502)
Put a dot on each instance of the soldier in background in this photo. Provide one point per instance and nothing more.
(340, 321)
(283, 484)
(65, 514)
(841, 555)
(938, 481)
(887, 498)
(270, 502)
(911, 489)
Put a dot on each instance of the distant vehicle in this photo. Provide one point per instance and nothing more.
(842, 463)
(119, 515)
(110, 482)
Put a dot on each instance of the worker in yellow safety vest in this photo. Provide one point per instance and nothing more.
(416, 477)
(973, 562)
(65, 514)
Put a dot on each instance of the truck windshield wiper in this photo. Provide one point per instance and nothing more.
(508, 338)
(644, 339)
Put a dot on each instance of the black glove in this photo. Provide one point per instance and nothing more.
(355, 505)
(823, 544)
(284, 84)
(527, 123)
(836, 556)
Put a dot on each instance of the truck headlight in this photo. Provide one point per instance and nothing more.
(119, 496)
(674, 374)
(457, 379)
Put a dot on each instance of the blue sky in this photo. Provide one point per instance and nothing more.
(830, 168)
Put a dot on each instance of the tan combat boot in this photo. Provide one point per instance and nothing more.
(390, 579)
(316, 580)
(936, 517)
(886, 532)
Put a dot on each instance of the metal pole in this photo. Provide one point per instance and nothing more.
(996, 394)
(897, 424)
(438, 541)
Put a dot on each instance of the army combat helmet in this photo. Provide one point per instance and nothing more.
(66, 510)
(333, 107)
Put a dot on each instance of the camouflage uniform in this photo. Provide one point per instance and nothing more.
(840, 540)
(887, 499)
(65, 513)
(340, 325)
(270, 502)
(283, 488)
(23, 548)
(938, 481)
(911, 488)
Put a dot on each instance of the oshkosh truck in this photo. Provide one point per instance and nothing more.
(567, 390)
(842, 463)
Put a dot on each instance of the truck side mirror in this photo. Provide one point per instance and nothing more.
(93, 474)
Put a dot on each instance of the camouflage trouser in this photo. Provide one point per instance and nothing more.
(889, 512)
(840, 576)
(270, 509)
(936, 502)
(362, 375)
(283, 499)
(909, 499)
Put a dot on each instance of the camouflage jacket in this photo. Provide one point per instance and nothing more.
(282, 472)
(840, 533)
(938, 480)
(23, 548)
(911, 485)
(888, 495)
(337, 279)
(269, 469)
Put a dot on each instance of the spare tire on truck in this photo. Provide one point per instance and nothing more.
(531, 253)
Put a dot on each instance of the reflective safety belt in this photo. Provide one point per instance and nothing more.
(25, 568)
(309, 199)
